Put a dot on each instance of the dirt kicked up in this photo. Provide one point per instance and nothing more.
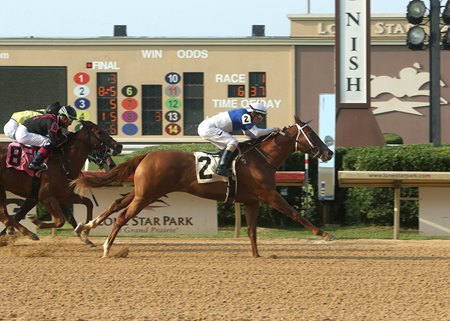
(217, 279)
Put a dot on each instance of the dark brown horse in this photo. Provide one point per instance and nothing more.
(65, 164)
(162, 172)
(103, 159)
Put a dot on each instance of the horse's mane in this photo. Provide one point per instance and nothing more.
(247, 144)
(72, 136)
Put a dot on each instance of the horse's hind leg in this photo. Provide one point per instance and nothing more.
(116, 206)
(26, 206)
(4, 218)
(251, 214)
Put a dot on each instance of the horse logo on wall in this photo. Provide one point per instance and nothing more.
(411, 83)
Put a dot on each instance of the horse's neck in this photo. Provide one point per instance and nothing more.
(76, 155)
(277, 153)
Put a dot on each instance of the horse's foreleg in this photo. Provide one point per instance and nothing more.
(276, 201)
(78, 199)
(84, 235)
(131, 211)
(251, 215)
(69, 215)
(55, 210)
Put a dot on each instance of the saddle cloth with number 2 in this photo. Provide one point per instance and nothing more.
(205, 164)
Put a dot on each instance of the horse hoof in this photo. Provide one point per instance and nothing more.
(84, 236)
(329, 237)
(32, 217)
(34, 237)
(89, 243)
(79, 228)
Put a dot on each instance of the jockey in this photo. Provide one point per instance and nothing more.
(20, 116)
(216, 129)
(45, 131)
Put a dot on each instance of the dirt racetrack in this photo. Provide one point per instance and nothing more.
(217, 279)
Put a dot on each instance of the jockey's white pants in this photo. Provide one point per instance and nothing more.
(10, 128)
(23, 136)
(217, 136)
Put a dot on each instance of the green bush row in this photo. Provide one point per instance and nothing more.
(375, 205)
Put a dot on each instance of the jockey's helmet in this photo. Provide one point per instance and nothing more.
(68, 111)
(258, 108)
(53, 108)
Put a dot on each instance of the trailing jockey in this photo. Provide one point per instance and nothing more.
(216, 129)
(45, 131)
(20, 116)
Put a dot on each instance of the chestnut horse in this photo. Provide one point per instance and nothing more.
(64, 164)
(159, 173)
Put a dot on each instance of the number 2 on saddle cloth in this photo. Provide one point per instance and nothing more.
(19, 156)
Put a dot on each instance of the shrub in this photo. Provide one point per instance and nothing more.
(393, 139)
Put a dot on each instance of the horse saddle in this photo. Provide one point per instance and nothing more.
(205, 165)
(20, 156)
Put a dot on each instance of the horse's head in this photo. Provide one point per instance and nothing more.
(307, 141)
(98, 140)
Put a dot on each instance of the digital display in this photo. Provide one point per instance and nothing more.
(30, 87)
(257, 84)
(107, 101)
(236, 90)
(193, 102)
(152, 115)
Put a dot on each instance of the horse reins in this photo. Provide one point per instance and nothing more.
(300, 130)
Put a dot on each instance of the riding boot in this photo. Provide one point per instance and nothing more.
(224, 164)
(38, 162)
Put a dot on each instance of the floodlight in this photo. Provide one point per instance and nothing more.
(415, 39)
(446, 40)
(446, 13)
(415, 11)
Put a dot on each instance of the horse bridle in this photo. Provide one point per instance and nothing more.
(314, 149)
(300, 131)
(101, 146)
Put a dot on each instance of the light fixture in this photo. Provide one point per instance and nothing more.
(415, 39)
(415, 11)
(446, 13)
(446, 40)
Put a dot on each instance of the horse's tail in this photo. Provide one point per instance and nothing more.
(113, 177)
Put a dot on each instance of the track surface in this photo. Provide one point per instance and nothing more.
(216, 279)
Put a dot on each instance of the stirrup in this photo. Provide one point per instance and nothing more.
(35, 167)
(221, 171)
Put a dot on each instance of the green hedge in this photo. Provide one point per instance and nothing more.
(375, 205)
